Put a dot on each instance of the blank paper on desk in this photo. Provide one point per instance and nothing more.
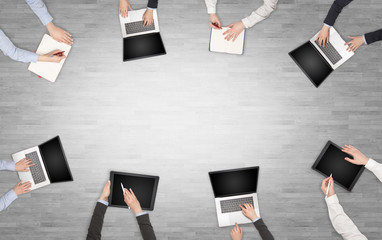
(219, 44)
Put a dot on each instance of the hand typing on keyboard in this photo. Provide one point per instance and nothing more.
(23, 165)
(22, 188)
(148, 17)
(249, 211)
(323, 36)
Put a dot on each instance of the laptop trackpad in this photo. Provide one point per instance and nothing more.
(237, 217)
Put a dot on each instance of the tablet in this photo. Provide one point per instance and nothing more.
(332, 161)
(144, 187)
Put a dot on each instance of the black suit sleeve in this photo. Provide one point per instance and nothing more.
(95, 228)
(335, 10)
(373, 36)
(147, 230)
(152, 4)
(263, 230)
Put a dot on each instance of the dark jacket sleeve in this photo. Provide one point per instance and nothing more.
(147, 230)
(152, 4)
(335, 10)
(95, 228)
(263, 230)
(373, 36)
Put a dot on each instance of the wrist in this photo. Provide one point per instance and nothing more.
(104, 198)
(50, 26)
(137, 211)
(366, 161)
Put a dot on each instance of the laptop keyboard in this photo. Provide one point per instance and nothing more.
(36, 170)
(330, 52)
(233, 205)
(137, 27)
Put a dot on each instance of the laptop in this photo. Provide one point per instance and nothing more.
(332, 161)
(50, 164)
(49, 70)
(231, 189)
(140, 41)
(318, 62)
(219, 44)
(144, 187)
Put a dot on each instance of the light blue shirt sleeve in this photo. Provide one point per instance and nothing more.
(257, 219)
(140, 214)
(39, 8)
(7, 165)
(151, 8)
(103, 202)
(327, 25)
(7, 199)
(15, 53)
(364, 39)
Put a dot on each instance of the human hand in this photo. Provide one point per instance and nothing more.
(23, 165)
(324, 186)
(249, 211)
(50, 57)
(234, 31)
(355, 43)
(236, 233)
(358, 157)
(106, 192)
(124, 7)
(214, 20)
(132, 201)
(59, 34)
(22, 188)
(148, 18)
(323, 36)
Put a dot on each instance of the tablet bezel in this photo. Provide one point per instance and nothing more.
(156, 178)
(320, 157)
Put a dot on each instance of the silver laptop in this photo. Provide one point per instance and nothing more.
(50, 164)
(132, 25)
(233, 188)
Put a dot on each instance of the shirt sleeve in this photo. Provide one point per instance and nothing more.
(260, 14)
(7, 199)
(335, 11)
(341, 222)
(39, 8)
(106, 203)
(375, 167)
(140, 214)
(7, 165)
(15, 53)
(211, 6)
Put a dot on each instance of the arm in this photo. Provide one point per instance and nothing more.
(375, 167)
(145, 226)
(39, 8)
(7, 199)
(260, 14)
(211, 6)
(341, 222)
(335, 10)
(152, 4)
(373, 36)
(15, 53)
(263, 230)
(95, 227)
(6, 165)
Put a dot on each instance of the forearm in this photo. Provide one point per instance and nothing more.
(211, 6)
(39, 8)
(152, 4)
(335, 10)
(375, 167)
(263, 230)
(7, 199)
(15, 53)
(260, 14)
(96, 223)
(341, 222)
(373, 37)
(145, 227)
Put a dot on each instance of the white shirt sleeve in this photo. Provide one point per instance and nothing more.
(211, 6)
(260, 14)
(375, 167)
(341, 222)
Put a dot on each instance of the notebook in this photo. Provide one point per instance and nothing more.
(49, 70)
(219, 44)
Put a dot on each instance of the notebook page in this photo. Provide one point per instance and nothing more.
(219, 44)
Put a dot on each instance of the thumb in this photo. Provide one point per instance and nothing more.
(349, 160)
(231, 25)
(351, 37)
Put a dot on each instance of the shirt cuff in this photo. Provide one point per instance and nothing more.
(211, 10)
(257, 219)
(371, 164)
(151, 8)
(103, 202)
(246, 22)
(34, 57)
(140, 214)
(10, 166)
(327, 25)
(11, 196)
(364, 39)
(332, 199)
(46, 19)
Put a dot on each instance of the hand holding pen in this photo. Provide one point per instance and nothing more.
(327, 186)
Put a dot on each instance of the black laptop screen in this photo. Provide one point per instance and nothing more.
(332, 161)
(55, 161)
(234, 182)
(311, 63)
(142, 46)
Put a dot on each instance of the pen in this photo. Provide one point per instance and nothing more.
(327, 190)
(123, 189)
(216, 25)
(59, 54)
